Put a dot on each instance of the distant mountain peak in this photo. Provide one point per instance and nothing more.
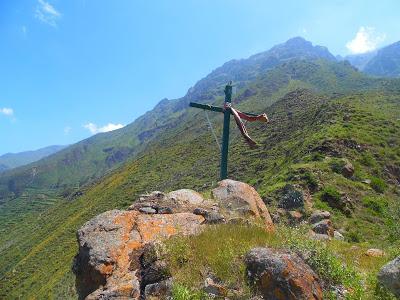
(297, 41)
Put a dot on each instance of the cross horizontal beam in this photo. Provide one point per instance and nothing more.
(213, 108)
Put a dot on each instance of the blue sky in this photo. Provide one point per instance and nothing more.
(71, 68)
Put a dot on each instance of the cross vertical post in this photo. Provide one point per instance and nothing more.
(225, 133)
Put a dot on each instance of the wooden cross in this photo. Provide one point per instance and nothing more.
(225, 134)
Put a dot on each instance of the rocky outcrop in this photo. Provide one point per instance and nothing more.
(238, 199)
(282, 275)
(119, 257)
(389, 276)
(321, 225)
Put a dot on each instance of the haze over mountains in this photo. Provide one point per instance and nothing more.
(14, 160)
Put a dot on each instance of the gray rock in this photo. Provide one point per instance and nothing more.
(158, 290)
(389, 276)
(213, 288)
(320, 237)
(238, 199)
(281, 275)
(338, 236)
(186, 195)
(214, 217)
(348, 169)
(147, 210)
(156, 272)
(164, 210)
(323, 227)
(318, 216)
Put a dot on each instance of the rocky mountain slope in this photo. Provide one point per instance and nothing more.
(14, 160)
(384, 62)
(333, 143)
(87, 160)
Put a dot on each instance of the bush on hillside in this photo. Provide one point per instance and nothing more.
(378, 184)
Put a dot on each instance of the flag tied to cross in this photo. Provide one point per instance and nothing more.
(238, 116)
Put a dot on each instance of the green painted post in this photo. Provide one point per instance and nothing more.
(225, 134)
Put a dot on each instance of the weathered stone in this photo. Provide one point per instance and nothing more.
(323, 227)
(389, 276)
(120, 253)
(281, 275)
(238, 199)
(164, 210)
(147, 210)
(155, 272)
(366, 181)
(214, 217)
(375, 252)
(152, 252)
(338, 236)
(186, 195)
(318, 216)
(110, 246)
(295, 217)
(348, 169)
(214, 289)
(200, 211)
(319, 236)
(158, 290)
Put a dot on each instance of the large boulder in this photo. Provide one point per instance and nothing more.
(238, 199)
(111, 244)
(389, 276)
(120, 256)
(281, 275)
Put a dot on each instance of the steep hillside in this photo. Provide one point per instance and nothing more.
(14, 160)
(303, 146)
(360, 60)
(323, 115)
(85, 161)
(386, 62)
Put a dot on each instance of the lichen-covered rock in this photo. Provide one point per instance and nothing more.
(121, 253)
(389, 276)
(110, 246)
(240, 199)
(282, 275)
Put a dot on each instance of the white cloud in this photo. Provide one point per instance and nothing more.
(24, 30)
(93, 128)
(7, 111)
(46, 13)
(67, 130)
(366, 40)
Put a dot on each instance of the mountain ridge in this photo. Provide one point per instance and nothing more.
(106, 151)
(15, 160)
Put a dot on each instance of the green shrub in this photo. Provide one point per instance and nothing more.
(180, 292)
(376, 204)
(311, 180)
(317, 156)
(330, 194)
(378, 184)
(337, 165)
(368, 160)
